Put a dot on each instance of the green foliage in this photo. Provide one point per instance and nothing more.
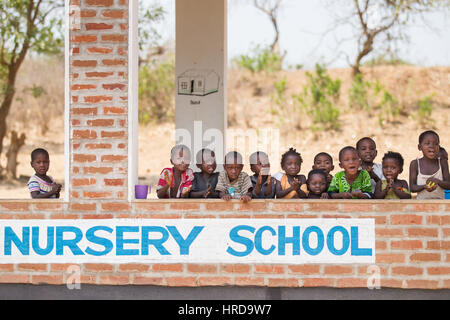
(384, 60)
(36, 91)
(149, 15)
(318, 100)
(27, 26)
(156, 91)
(371, 97)
(281, 108)
(358, 95)
(425, 111)
(389, 107)
(261, 59)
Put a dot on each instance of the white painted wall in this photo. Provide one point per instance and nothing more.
(201, 55)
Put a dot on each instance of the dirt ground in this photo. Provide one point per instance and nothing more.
(249, 108)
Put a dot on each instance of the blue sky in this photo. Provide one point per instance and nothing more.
(302, 28)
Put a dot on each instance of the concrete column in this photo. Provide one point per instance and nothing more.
(201, 72)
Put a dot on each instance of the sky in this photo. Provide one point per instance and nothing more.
(304, 35)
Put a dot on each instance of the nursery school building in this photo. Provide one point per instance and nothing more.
(103, 239)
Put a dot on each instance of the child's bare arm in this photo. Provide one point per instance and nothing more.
(280, 193)
(269, 186)
(380, 194)
(225, 196)
(413, 172)
(445, 182)
(56, 189)
(341, 195)
(399, 189)
(300, 192)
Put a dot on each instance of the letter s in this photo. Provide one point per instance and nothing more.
(248, 243)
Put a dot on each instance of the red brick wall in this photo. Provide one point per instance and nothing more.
(98, 105)
(412, 237)
(412, 244)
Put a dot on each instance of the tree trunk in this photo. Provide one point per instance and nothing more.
(7, 101)
(11, 155)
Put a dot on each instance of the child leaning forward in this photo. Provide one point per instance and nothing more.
(40, 184)
(292, 184)
(263, 183)
(392, 187)
(205, 181)
(352, 183)
(176, 182)
(233, 183)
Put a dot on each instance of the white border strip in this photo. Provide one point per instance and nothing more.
(133, 54)
(66, 102)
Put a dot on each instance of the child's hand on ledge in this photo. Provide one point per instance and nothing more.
(358, 194)
(325, 195)
(227, 197)
(245, 198)
(344, 195)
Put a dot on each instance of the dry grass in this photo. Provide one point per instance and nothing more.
(248, 108)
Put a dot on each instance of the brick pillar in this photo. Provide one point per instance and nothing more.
(98, 70)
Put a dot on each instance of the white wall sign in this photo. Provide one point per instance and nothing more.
(292, 241)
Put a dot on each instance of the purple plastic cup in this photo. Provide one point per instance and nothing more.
(141, 191)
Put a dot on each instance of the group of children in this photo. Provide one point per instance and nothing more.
(360, 178)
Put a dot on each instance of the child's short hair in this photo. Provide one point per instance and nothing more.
(209, 153)
(323, 154)
(396, 156)
(233, 157)
(258, 154)
(37, 151)
(317, 171)
(344, 149)
(365, 138)
(425, 133)
(290, 152)
(174, 153)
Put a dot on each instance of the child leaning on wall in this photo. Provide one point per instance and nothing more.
(263, 183)
(176, 182)
(429, 175)
(40, 184)
(352, 182)
(233, 182)
(391, 187)
(205, 181)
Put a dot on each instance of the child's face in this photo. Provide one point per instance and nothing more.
(180, 162)
(292, 165)
(40, 164)
(262, 166)
(233, 170)
(209, 164)
(367, 151)
(391, 169)
(317, 184)
(350, 162)
(324, 163)
(429, 146)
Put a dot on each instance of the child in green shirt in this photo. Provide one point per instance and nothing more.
(352, 183)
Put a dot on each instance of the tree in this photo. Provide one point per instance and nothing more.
(376, 20)
(272, 8)
(149, 15)
(26, 26)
